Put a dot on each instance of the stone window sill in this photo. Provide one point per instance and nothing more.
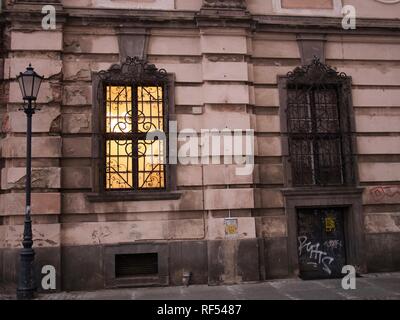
(133, 196)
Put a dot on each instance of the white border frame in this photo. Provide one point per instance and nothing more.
(336, 11)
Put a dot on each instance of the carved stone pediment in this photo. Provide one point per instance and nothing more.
(224, 4)
(134, 70)
(316, 72)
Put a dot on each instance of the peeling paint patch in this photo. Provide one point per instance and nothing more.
(382, 223)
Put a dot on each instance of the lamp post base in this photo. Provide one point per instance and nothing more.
(26, 283)
(25, 294)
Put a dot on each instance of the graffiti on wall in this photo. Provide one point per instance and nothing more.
(317, 256)
(385, 192)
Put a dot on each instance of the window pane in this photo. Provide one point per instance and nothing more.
(299, 111)
(119, 164)
(150, 109)
(151, 167)
(130, 112)
(119, 109)
(326, 111)
(302, 157)
(330, 161)
(315, 136)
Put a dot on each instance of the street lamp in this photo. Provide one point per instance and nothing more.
(29, 83)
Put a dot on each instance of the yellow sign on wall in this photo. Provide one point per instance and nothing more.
(231, 227)
(330, 224)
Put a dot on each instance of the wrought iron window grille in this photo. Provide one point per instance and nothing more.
(319, 128)
(133, 98)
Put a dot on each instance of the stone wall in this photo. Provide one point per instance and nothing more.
(226, 75)
(365, 9)
(376, 105)
(28, 43)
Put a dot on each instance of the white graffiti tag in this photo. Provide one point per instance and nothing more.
(320, 256)
(334, 244)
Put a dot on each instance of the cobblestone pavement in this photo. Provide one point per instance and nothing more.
(384, 286)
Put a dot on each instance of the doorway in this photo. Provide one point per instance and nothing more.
(321, 242)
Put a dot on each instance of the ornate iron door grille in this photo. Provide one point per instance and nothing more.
(318, 125)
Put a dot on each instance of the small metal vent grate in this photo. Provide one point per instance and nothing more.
(133, 265)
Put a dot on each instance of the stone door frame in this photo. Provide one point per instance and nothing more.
(350, 199)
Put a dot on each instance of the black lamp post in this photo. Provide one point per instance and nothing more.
(29, 82)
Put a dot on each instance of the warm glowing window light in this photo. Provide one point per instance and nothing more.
(132, 162)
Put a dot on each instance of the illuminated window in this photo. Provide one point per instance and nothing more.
(133, 162)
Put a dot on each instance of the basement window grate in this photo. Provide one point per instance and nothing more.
(135, 265)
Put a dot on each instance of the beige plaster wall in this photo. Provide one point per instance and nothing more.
(224, 78)
(364, 8)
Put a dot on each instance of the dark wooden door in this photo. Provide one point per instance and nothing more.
(321, 242)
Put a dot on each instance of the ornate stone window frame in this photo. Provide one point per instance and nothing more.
(132, 71)
(348, 196)
(316, 71)
(334, 12)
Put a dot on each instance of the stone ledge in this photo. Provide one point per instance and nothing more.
(133, 196)
(323, 191)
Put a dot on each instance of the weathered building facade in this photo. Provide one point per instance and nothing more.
(325, 190)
